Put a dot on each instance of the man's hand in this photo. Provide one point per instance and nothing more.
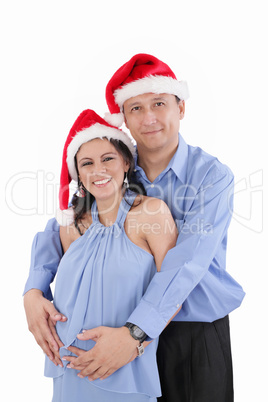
(114, 348)
(42, 317)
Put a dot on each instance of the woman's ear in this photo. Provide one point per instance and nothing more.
(127, 166)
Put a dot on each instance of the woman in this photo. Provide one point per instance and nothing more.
(114, 240)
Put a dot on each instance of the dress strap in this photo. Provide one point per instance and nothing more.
(94, 212)
(125, 206)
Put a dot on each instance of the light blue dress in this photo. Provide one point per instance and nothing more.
(101, 279)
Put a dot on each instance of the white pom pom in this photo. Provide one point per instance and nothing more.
(115, 119)
(65, 217)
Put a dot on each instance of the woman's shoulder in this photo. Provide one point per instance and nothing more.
(148, 211)
(149, 206)
(68, 234)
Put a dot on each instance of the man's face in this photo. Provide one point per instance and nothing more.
(154, 120)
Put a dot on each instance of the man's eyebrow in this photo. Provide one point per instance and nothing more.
(133, 104)
(157, 98)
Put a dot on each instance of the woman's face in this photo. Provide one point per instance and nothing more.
(101, 168)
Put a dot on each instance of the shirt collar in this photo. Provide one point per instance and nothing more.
(178, 162)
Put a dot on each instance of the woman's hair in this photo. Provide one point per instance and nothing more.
(82, 205)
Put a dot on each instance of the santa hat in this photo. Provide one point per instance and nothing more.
(87, 126)
(142, 74)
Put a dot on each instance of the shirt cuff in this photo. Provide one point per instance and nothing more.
(148, 319)
(40, 280)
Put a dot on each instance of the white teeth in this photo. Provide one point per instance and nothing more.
(102, 181)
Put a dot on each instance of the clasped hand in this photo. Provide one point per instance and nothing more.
(114, 348)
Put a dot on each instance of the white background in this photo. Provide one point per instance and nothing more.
(56, 58)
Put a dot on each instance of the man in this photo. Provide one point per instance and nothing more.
(194, 355)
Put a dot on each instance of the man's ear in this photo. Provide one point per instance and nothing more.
(181, 106)
(125, 121)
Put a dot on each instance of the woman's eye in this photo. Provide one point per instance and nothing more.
(109, 158)
(87, 163)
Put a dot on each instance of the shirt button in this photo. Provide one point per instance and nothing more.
(135, 170)
(152, 185)
(178, 306)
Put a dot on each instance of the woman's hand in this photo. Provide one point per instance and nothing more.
(42, 318)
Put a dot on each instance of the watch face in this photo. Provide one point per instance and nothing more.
(138, 332)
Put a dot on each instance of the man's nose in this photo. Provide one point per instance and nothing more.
(149, 117)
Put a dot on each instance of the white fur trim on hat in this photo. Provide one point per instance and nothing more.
(65, 217)
(115, 119)
(95, 131)
(157, 84)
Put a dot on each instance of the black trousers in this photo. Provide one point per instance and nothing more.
(195, 362)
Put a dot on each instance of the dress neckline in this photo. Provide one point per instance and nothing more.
(124, 207)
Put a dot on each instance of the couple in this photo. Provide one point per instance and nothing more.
(112, 299)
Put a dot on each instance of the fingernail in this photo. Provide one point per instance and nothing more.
(80, 376)
(65, 360)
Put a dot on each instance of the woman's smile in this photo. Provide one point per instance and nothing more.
(102, 183)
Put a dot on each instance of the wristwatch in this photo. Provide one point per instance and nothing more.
(136, 332)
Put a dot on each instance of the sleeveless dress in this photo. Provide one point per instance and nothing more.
(100, 280)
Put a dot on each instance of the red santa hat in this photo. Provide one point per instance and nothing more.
(142, 74)
(87, 126)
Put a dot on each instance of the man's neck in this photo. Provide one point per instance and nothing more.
(153, 163)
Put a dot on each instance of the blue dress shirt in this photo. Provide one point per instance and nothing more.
(199, 192)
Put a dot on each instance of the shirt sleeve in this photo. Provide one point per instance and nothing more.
(45, 257)
(203, 231)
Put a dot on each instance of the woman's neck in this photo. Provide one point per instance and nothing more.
(108, 209)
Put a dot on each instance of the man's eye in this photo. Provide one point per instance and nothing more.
(135, 108)
(159, 104)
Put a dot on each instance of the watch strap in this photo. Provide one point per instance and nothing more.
(140, 349)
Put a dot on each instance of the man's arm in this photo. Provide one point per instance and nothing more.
(40, 313)
(204, 228)
(45, 257)
(183, 268)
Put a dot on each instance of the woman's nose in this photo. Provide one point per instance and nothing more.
(99, 168)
